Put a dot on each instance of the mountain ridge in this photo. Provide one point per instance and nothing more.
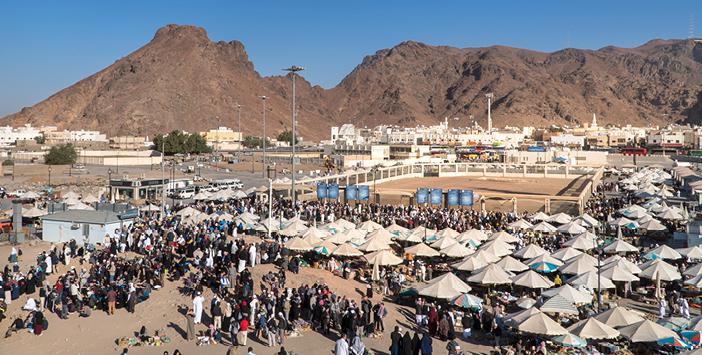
(183, 80)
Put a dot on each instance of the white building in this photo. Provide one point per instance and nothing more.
(10, 135)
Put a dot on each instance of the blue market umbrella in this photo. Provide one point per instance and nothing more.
(467, 301)
(543, 266)
(571, 340)
(673, 342)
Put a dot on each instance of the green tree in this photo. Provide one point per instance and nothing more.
(40, 139)
(61, 155)
(8, 162)
(253, 142)
(178, 142)
(286, 136)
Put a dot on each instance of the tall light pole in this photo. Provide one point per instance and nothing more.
(293, 69)
(489, 98)
(163, 182)
(241, 135)
(49, 176)
(263, 99)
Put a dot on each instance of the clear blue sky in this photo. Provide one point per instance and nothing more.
(48, 45)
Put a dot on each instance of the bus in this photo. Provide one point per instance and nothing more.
(633, 151)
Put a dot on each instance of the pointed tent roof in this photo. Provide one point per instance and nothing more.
(540, 323)
(475, 261)
(695, 281)
(581, 242)
(34, 212)
(577, 267)
(560, 218)
(504, 237)
(623, 263)
(370, 226)
(374, 244)
(591, 281)
(572, 228)
(592, 328)
(565, 254)
(513, 319)
(421, 249)
(694, 253)
(448, 232)
(530, 251)
(569, 293)
(544, 227)
(539, 216)
(443, 242)
(646, 331)
(382, 234)
(316, 233)
(545, 258)
(456, 250)
(472, 234)
(618, 316)
(653, 225)
(298, 244)
(346, 250)
(618, 273)
(659, 269)
(293, 228)
(663, 252)
(511, 264)
(446, 286)
(620, 246)
(397, 229)
(497, 248)
(559, 304)
(344, 223)
(383, 257)
(532, 279)
(490, 275)
(421, 232)
(693, 270)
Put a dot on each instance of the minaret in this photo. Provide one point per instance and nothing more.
(489, 97)
(594, 120)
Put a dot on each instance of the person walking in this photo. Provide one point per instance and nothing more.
(111, 300)
(190, 326)
(197, 307)
(342, 346)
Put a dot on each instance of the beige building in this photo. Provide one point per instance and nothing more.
(128, 143)
(223, 138)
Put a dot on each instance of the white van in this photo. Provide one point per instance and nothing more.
(185, 193)
(227, 184)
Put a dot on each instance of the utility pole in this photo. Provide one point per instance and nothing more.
(489, 122)
(263, 99)
(241, 135)
(163, 181)
(293, 70)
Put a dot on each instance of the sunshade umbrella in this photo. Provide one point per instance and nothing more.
(591, 280)
(443, 242)
(565, 254)
(525, 303)
(592, 328)
(577, 267)
(560, 218)
(81, 206)
(316, 233)
(396, 229)
(71, 194)
(467, 301)
(618, 273)
(659, 269)
(570, 340)
(448, 232)
(693, 270)
(539, 216)
(380, 234)
(383, 257)
(370, 226)
(530, 251)
(695, 324)
(456, 250)
(544, 227)
(374, 244)
(513, 319)
(673, 341)
(572, 228)
(154, 208)
(591, 221)
(663, 252)
(670, 215)
(624, 222)
(581, 242)
(446, 286)
(34, 212)
(587, 257)
(531, 279)
(312, 238)
(511, 264)
(475, 261)
(544, 258)
(421, 249)
(653, 225)
(692, 336)
(344, 223)
(694, 253)
(497, 248)
(504, 237)
(490, 275)
(569, 293)
(90, 199)
(646, 331)
(540, 323)
(472, 234)
(293, 228)
(558, 304)
(202, 195)
(520, 224)
(626, 264)
(31, 195)
(346, 250)
(620, 246)
(325, 247)
(298, 244)
(618, 317)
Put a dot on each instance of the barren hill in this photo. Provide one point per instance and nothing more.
(182, 80)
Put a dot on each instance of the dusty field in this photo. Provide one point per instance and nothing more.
(390, 192)
(97, 334)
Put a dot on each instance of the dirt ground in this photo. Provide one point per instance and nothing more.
(391, 192)
(97, 334)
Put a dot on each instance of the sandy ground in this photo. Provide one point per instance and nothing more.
(97, 334)
(390, 191)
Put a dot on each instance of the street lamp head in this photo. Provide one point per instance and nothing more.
(294, 69)
(109, 171)
(49, 168)
(263, 97)
(489, 95)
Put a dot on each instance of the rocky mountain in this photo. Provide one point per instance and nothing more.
(182, 80)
